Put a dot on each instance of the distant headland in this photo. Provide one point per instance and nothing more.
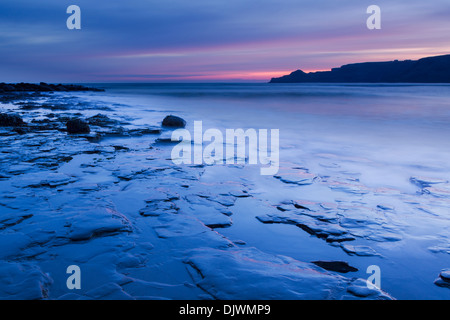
(425, 70)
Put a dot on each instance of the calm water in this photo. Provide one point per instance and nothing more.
(398, 127)
(379, 135)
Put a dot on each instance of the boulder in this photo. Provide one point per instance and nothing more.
(77, 126)
(10, 120)
(173, 122)
(444, 279)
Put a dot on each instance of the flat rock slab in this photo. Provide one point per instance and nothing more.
(42, 179)
(298, 178)
(362, 251)
(252, 274)
(98, 222)
(182, 226)
(22, 281)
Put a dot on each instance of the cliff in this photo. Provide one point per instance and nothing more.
(425, 70)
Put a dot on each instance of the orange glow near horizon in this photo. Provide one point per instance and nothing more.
(216, 76)
(262, 76)
(236, 75)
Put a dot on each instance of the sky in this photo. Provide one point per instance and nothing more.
(209, 40)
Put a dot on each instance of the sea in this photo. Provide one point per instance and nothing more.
(392, 139)
(370, 159)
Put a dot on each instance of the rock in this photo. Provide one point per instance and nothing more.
(23, 281)
(340, 238)
(360, 289)
(93, 137)
(224, 200)
(423, 182)
(362, 251)
(441, 192)
(109, 291)
(337, 266)
(282, 208)
(77, 126)
(6, 87)
(445, 275)
(210, 216)
(12, 245)
(20, 130)
(239, 193)
(444, 279)
(10, 120)
(143, 131)
(348, 187)
(43, 179)
(98, 222)
(43, 87)
(158, 208)
(385, 207)
(320, 229)
(11, 220)
(300, 178)
(173, 122)
(299, 205)
(101, 120)
(120, 148)
(441, 283)
(384, 237)
(443, 248)
(185, 226)
(248, 273)
(257, 275)
(161, 194)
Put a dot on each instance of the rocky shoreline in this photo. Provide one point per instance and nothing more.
(81, 183)
(43, 87)
(26, 96)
